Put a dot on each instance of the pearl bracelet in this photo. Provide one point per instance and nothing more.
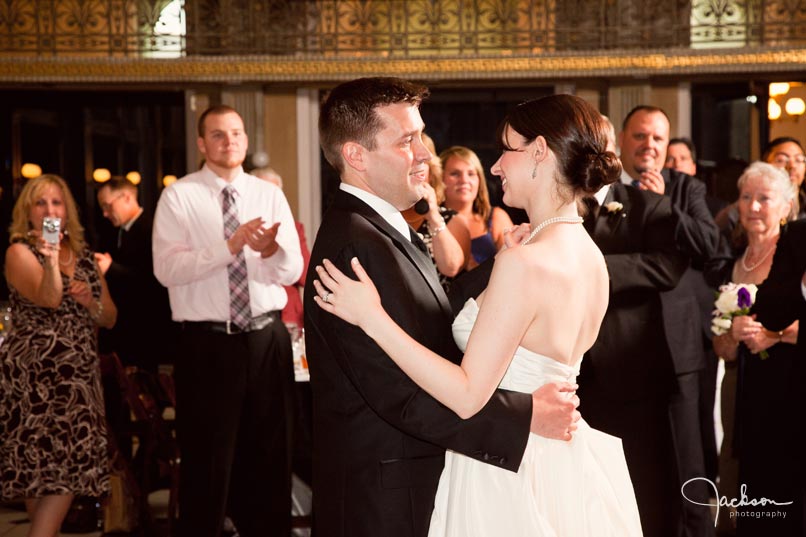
(437, 231)
(99, 309)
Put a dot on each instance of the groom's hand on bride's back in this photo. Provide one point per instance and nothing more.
(554, 410)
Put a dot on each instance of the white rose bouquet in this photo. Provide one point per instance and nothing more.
(733, 299)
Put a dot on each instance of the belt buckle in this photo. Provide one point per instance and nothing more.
(232, 329)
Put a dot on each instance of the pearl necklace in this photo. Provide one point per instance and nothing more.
(755, 265)
(548, 222)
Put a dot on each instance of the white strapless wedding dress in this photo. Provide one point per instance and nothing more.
(579, 488)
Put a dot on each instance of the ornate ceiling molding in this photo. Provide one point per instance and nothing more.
(295, 69)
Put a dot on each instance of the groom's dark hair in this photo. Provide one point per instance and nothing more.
(348, 112)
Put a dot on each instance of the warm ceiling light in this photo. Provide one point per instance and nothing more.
(779, 88)
(101, 175)
(168, 179)
(773, 110)
(795, 106)
(29, 170)
(134, 178)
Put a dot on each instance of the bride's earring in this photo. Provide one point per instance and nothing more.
(538, 154)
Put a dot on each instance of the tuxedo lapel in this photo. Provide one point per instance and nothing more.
(609, 225)
(418, 258)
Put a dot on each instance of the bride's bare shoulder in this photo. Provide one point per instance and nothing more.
(556, 262)
(535, 261)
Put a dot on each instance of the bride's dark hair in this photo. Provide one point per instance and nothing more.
(577, 134)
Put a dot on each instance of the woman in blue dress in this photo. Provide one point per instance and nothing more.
(466, 193)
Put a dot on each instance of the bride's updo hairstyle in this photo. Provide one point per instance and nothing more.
(577, 135)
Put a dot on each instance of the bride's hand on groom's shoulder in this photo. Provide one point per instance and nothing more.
(353, 301)
(515, 235)
(554, 410)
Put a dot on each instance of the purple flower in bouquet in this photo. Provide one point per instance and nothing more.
(733, 300)
(743, 298)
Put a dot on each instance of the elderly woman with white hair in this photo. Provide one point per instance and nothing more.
(762, 446)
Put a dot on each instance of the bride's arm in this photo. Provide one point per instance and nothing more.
(506, 312)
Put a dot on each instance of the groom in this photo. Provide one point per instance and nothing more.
(379, 440)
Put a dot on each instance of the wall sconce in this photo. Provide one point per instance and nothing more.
(101, 175)
(168, 180)
(795, 107)
(779, 88)
(134, 178)
(773, 110)
(30, 170)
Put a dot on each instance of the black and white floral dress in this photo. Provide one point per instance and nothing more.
(52, 426)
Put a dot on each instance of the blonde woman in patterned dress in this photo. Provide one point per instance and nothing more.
(52, 427)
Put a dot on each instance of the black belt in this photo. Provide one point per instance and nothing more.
(226, 327)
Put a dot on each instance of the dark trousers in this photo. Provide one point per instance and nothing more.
(684, 414)
(644, 429)
(234, 407)
(707, 401)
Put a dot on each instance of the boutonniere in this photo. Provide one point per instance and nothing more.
(613, 207)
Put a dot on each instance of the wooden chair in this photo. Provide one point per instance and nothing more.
(156, 458)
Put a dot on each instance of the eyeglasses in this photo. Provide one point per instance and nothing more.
(105, 207)
(784, 160)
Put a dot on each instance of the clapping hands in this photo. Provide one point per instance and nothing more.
(256, 236)
(104, 261)
(652, 180)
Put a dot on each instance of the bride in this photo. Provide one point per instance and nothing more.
(539, 314)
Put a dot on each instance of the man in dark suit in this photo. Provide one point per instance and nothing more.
(379, 440)
(644, 140)
(627, 378)
(144, 334)
(780, 301)
(681, 155)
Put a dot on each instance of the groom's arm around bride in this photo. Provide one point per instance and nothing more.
(379, 440)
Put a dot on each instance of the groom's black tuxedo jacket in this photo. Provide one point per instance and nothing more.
(379, 440)
(631, 359)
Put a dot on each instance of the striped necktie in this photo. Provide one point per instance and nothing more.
(239, 311)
